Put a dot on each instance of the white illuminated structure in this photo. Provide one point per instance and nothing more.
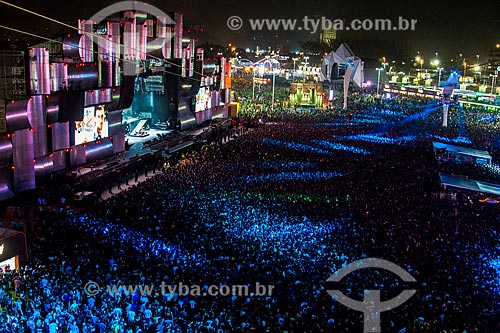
(340, 58)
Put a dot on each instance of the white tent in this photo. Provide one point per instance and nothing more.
(341, 57)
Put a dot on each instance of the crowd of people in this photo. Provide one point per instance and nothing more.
(484, 127)
(285, 205)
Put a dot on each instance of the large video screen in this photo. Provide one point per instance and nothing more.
(93, 126)
(203, 100)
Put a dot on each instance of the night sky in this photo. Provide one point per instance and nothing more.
(444, 27)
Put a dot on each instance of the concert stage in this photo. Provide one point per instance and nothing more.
(151, 134)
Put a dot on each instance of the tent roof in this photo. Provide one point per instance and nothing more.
(344, 51)
(462, 150)
(469, 184)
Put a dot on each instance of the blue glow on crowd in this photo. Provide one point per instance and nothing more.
(284, 204)
(374, 138)
(339, 146)
(495, 264)
(280, 164)
(335, 124)
(143, 243)
(457, 140)
(295, 146)
(492, 167)
(393, 113)
(292, 176)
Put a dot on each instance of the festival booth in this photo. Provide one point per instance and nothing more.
(13, 249)
(446, 152)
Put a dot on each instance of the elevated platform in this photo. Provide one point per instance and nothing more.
(180, 146)
(469, 184)
(447, 152)
(139, 130)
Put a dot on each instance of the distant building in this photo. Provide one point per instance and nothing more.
(494, 58)
(12, 75)
(12, 80)
(306, 94)
(328, 35)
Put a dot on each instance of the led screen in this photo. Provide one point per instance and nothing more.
(203, 101)
(93, 126)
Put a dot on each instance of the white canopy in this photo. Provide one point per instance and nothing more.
(342, 56)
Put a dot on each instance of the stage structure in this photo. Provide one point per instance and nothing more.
(306, 94)
(349, 73)
(335, 64)
(72, 114)
(448, 88)
(342, 64)
(13, 250)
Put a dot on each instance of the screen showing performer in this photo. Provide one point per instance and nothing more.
(93, 126)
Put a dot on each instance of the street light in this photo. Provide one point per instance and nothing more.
(378, 78)
(493, 79)
(305, 67)
(272, 98)
(253, 84)
(294, 61)
(439, 76)
(384, 62)
(420, 60)
(436, 63)
(465, 69)
(477, 70)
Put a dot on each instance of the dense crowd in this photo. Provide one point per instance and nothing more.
(484, 127)
(286, 205)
